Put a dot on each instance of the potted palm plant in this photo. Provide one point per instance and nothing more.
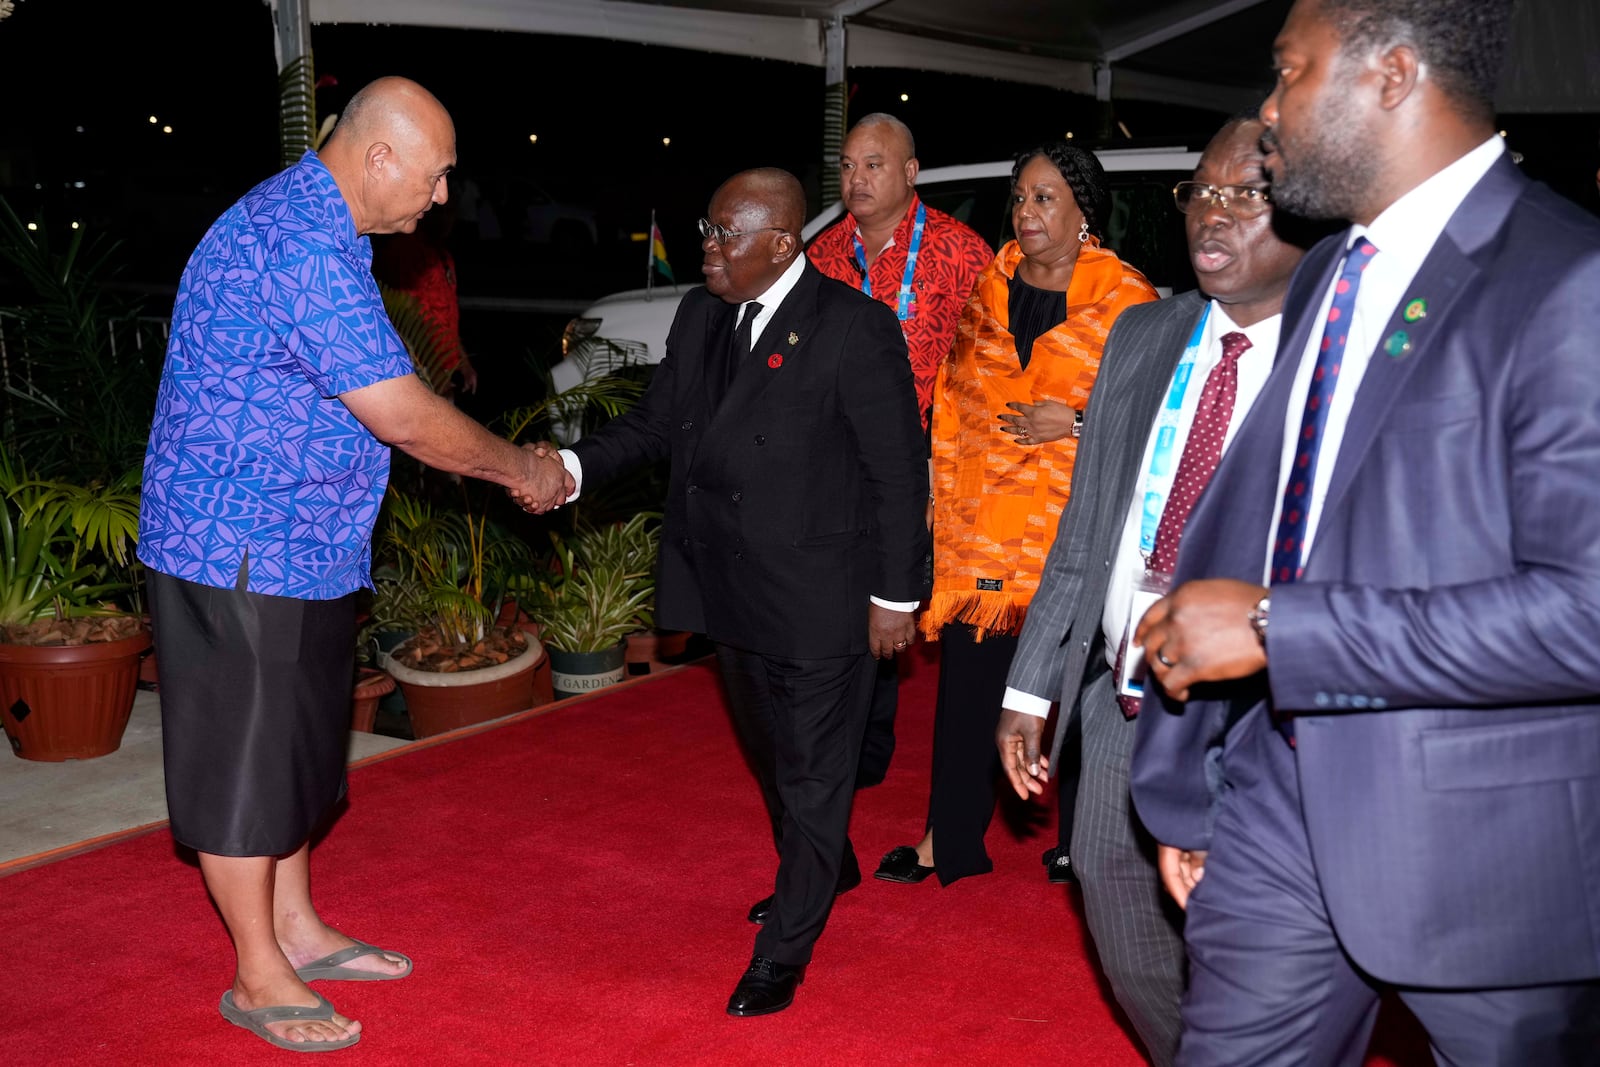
(70, 643)
(445, 573)
(79, 383)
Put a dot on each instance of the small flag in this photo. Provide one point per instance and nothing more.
(658, 251)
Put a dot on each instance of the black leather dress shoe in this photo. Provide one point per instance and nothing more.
(900, 864)
(767, 986)
(1058, 865)
(849, 878)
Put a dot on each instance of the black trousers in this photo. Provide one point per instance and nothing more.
(966, 762)
(877, 748)
(801, 723)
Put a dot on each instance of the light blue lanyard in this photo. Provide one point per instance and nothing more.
(904, 308)
(1158, 481)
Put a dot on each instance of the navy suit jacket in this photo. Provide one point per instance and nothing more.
(797, 492)
(1441, 654)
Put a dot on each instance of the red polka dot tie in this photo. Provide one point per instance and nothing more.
(1287, 562)
(1201, 452)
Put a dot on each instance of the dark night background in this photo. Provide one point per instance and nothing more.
(81, 81)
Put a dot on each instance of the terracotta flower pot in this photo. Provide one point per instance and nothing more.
(61, 702)
(650, 650)
(440, 702)
(372, 685)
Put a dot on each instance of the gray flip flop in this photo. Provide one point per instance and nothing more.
(332, 966)
(256, 1022)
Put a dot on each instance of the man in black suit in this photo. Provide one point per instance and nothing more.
(794, 532)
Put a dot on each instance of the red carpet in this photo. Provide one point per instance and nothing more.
(573, 886)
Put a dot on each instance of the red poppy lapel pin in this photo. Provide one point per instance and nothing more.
(776, 359)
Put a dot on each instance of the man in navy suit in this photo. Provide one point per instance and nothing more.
(1400, 558)
(794, 532)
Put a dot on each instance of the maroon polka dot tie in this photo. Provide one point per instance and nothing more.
(1201, 452)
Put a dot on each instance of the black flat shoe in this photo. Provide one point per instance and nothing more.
(900, 864)
(849, 878)
(1058, 866)
(767, 986)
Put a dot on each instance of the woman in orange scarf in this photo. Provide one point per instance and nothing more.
(1006, 408)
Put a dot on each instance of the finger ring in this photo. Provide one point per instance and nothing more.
(901, 644)
(1161, 654)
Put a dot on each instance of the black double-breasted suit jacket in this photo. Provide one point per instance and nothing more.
(798, 480)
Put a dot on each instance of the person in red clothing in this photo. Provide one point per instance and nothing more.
(918, 260)
(420, 263)
(922, 263)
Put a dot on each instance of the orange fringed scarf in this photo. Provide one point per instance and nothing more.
(997, 503)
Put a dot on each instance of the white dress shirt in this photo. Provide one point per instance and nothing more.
(1404, 234)
(1128, 565)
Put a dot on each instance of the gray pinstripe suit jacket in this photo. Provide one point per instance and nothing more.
(1142, 350)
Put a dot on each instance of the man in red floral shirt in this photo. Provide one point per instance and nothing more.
(918, 260)
(921, 262)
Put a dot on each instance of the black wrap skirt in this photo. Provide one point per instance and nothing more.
(255, 713)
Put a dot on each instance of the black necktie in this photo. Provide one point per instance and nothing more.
(742, 341)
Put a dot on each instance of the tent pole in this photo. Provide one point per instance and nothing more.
(835, 102)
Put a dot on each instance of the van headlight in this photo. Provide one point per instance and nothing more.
(577, 330)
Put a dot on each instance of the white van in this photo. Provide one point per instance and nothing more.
(630, 328)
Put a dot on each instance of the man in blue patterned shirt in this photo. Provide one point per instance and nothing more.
(284, 387)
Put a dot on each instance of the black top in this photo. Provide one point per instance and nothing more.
(1033, 312)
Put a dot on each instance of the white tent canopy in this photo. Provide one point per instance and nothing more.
(1198, 53)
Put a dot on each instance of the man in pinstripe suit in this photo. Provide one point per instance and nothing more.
(1136, 428)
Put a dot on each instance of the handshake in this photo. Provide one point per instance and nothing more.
(546, 483)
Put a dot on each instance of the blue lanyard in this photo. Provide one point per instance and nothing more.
(1161, 461)
(904, 308)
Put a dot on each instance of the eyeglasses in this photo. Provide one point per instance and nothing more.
(1240, 201)
(722, 235)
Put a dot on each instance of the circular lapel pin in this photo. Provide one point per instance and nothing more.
(1416, 310)
(1398, 344)
(775, 361)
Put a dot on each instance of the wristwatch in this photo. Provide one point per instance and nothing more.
(1077, 423)
(1258, 616)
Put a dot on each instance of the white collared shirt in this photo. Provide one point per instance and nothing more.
(1128, 564)
(1255, 365)
(774, 296)
(1404, 233)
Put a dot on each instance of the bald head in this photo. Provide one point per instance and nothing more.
(389, 154)
(766, 207)
(774, 196)
(878, 174)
